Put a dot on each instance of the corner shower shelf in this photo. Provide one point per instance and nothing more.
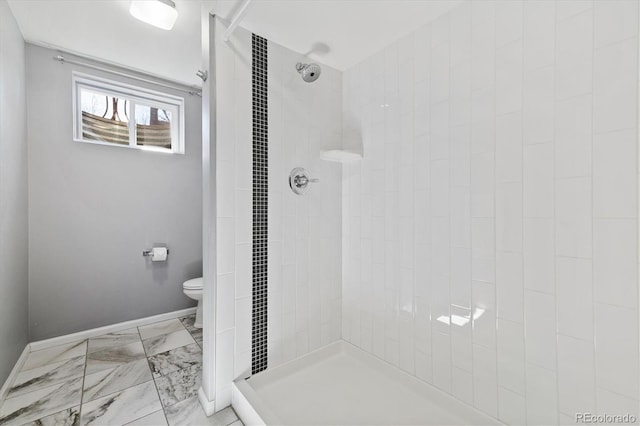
(340, 155)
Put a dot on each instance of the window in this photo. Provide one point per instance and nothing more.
(112, 113)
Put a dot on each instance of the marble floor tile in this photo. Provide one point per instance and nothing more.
(197, 335)
(55, 354)
(119, 338)
(224, 417)
(68, 417)
(106, 382)
(190, 412)
(157, 418)
(122, 407)
(160, 328)
(114, 357)
(41, 403)
(115, 379)
(48, 375)
(188, 323)
(175, 359)
(179, 385)
(166, 342)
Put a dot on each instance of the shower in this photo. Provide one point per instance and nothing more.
(309, 72)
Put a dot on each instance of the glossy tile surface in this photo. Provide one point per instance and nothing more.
(189, 412)
(48, 375)
(188, 322)
(196, 333)
(160, 328)
(156, 418)
(179, 385)
(122, 407)
(55, 354)
(114, 357)
(111, 380)
(116, 379)
(175, 359)
(166, 342)
(68, 417)
(41, 403)
(514, 195)
(119, 338)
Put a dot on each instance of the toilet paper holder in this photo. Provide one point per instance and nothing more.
(149, 252)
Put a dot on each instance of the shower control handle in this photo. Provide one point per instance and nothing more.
(299, 181)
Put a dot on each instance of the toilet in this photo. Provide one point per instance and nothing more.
(193, 289)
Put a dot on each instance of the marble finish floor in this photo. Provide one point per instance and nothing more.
(146, 375)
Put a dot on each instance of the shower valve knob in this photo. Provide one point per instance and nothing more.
(299, 181)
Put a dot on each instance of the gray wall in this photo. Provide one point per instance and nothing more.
(14, 275)
(93, 209)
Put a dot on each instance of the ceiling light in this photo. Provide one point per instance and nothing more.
(159, 13)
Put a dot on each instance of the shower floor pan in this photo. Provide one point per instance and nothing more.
(342, 385)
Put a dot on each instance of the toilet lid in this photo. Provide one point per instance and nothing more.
(193, 284)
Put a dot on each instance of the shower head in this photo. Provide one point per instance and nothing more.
(309, 72)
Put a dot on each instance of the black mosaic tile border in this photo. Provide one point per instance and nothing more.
(260, 203)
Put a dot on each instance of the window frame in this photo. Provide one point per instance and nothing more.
(136, 96)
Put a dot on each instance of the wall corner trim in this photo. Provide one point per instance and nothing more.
(209, 407)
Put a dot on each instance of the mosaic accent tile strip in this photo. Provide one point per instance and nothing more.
(260, 203)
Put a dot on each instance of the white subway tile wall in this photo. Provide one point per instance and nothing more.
(490, 233)
(234, 209)
(304, 294)
(304, 266)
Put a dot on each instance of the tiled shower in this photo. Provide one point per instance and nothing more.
(490, 231)
(304, 233)
(487, 241)
(491, 228)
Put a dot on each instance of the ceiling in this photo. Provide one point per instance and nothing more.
(347, 30)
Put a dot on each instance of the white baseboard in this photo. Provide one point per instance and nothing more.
(209, 407)
(12, 376)
(69, 338)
